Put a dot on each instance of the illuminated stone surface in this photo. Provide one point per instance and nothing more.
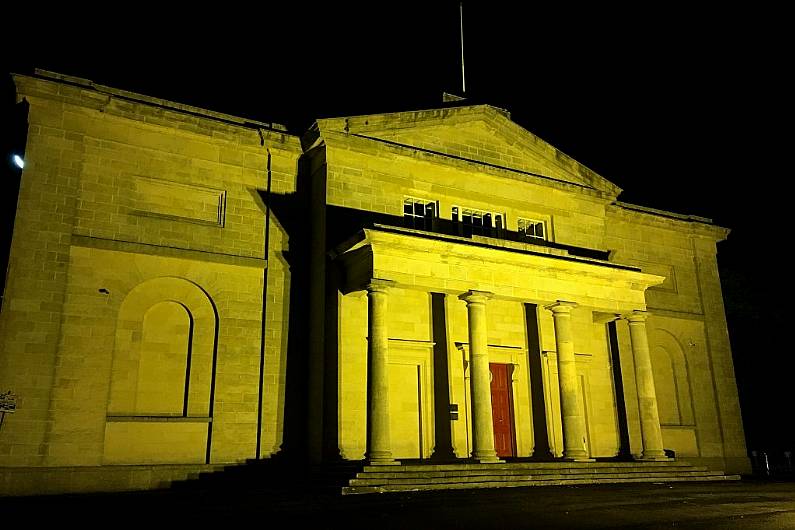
(572, 413)
(479, 377)
(133, 332)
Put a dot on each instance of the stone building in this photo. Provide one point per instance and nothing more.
(188, 289)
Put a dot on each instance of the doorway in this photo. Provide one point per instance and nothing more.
(502, 409)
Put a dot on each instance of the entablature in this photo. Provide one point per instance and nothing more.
(435, 263)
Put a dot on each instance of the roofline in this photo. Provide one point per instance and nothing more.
(87, 84)
(664, 213)
(697, 224)
(588, 175)
(313, 140)
(478, 162)
(450, 106)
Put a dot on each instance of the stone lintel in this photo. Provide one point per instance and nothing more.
(605, 317)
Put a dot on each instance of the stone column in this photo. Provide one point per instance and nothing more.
(647, 397)
(574, 434)
(479, 378)
(379, 444)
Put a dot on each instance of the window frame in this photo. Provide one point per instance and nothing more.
(497, 222)
(411, 220)
(535, 223)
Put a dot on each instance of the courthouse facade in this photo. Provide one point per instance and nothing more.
(188, 289)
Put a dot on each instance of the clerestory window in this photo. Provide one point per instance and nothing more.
(478, 222)
(419, 213)
(531, 228)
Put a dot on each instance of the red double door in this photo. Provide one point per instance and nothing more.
(502, 409)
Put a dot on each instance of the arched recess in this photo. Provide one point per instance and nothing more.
(165, 360)
(164, 351)
(671, 380)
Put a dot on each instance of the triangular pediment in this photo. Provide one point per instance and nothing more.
(479, 133)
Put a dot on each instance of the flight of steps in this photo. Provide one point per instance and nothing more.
(279, 479)
(380, 479)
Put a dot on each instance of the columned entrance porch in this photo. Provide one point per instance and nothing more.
(526, 277)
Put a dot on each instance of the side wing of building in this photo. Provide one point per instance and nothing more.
(132, 328)
(691, 355)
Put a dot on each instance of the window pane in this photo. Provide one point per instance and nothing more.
(407, 207)
(430, 210)
(487, 220)
(455, 213)
(498, 221)
(419, 209)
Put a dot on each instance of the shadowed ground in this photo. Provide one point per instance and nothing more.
(747, 504)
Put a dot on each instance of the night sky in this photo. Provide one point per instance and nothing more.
(686, 109)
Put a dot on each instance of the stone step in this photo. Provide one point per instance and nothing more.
(523, 471)
(275, 477)
(351, 490)
(524, 465)
(511, 478)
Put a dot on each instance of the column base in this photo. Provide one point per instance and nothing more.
(381, 458)
(577, 456)
(487, 457)
(494, 460)
(654, 458)
(382, 462)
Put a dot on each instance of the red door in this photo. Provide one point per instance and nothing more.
(502, 409)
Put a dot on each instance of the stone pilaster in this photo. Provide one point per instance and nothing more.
(647, 397)
(479, 377)
(574, 434)
(379, 443)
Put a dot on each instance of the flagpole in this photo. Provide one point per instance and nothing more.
(463, 77)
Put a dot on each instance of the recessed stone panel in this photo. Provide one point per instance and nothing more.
(162, 198)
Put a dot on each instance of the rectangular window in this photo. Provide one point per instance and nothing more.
(419, 213)
(531, 229)
(478, 222)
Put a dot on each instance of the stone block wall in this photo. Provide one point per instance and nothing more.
(376, 178)
(687, 331)
(140, 241)
(372, 175)
(135, 332)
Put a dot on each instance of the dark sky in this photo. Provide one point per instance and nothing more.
(687, 109)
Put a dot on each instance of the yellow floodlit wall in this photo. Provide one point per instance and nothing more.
(137, 327)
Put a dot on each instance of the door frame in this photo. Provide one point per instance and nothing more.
(509, 368)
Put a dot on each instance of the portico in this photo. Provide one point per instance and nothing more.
(478, 273)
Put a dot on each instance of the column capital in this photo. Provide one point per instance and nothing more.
(561, 306)
(377, 285)
(637, 316)
(475, 297)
